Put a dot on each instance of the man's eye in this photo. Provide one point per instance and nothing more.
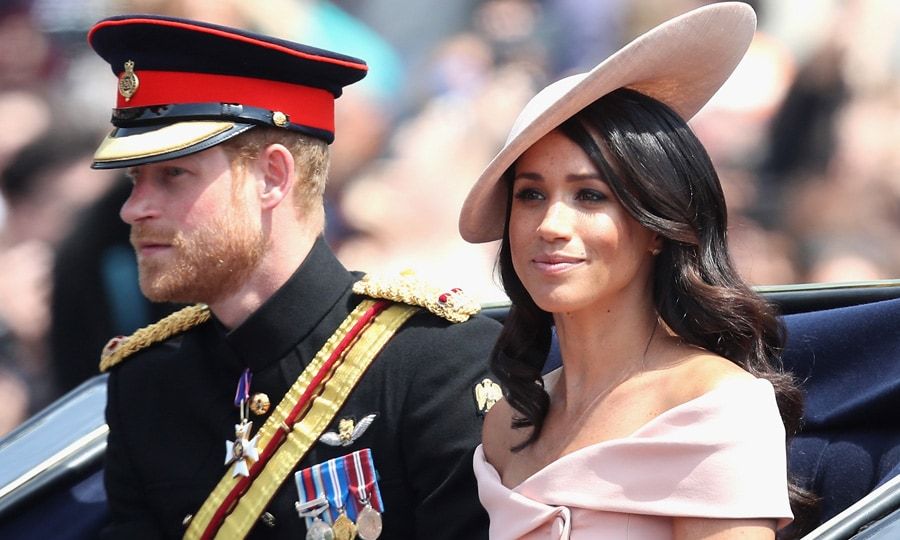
(174, 171)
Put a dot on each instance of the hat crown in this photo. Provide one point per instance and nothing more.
(541, 101)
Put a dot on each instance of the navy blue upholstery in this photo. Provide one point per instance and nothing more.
(848, 360)
(75, 513)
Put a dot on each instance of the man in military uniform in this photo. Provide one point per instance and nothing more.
(296, 398)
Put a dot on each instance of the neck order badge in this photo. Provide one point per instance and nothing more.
(242, 451)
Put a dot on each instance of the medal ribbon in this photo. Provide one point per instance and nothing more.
(310, 492)
(320, 488)
(336, 484)
(242, 394)
(364, 480)
(331, 481)
(304, 413)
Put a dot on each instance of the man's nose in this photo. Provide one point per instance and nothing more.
(139, 204)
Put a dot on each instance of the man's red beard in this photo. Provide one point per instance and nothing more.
(204, 265)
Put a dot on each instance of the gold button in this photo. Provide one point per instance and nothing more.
(280, 119)
(259, 403)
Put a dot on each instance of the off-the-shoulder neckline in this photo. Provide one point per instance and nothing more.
(723, 385)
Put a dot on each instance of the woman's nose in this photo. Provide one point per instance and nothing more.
(557, 222)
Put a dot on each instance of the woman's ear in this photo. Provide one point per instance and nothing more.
(277, 175)
(657, 245)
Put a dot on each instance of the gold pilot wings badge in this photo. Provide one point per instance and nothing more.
(348, 431)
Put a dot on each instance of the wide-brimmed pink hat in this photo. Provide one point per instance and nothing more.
(681, 63)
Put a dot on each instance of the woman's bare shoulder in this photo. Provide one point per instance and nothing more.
(699, 371)
(708, 370)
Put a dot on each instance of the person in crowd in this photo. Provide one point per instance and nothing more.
(668, 416)
(292, 397)
(45, 185)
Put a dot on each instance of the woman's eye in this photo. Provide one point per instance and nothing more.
(590, 195)
(529, 194)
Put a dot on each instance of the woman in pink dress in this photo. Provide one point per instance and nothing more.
(668, 417)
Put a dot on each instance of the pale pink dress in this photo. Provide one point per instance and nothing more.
(720, 455)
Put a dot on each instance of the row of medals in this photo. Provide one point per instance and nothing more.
(367, 526)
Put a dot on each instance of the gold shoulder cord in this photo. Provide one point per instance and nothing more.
(407, 288)
(118, 349)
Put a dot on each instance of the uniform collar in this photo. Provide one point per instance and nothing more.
(294, 311)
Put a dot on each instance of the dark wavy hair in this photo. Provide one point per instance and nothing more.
(664, 179)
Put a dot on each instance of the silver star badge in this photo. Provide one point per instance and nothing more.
(241, 452)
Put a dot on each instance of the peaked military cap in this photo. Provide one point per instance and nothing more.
(185, 86)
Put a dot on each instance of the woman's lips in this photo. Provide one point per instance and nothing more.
(553, 264)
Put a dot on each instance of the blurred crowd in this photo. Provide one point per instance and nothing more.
(806, 137)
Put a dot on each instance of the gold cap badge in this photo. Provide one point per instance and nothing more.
(128, 83)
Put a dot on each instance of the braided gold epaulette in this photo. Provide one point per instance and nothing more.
(453, 305)
(122, 347)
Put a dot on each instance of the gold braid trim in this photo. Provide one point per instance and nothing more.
(453, 305)
(119, 348)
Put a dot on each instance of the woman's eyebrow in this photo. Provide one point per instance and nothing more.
(576, 177)
(584, 176)
(528, 176)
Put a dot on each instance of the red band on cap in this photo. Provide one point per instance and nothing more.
(304, 105)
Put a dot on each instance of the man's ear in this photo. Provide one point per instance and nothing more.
(277, 168)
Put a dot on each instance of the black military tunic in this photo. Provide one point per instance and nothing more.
(171, 409)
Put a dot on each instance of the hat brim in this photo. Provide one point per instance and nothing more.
(682, 63)
(128, 147)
